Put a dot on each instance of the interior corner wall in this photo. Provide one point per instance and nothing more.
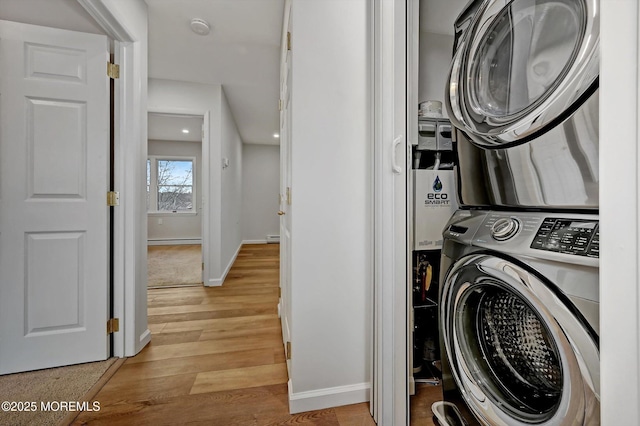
(260, 191)
(331, 231)
(435, 60)
(231, 191)
(194, 98)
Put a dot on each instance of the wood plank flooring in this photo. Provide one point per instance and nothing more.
(215, 358)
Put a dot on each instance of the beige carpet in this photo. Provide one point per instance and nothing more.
(43, 390)
(174, 265)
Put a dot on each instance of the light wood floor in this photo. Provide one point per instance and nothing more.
(216, 358)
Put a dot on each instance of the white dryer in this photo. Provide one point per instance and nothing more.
(523, 97)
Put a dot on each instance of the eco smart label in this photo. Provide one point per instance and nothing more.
(434, 203)
(437, 196)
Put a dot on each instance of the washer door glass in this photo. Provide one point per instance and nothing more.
(522, 66)
(510, 350)
(518, 352)
(524, 53)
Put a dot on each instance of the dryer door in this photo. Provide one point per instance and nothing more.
(522, 67)
(518, 352)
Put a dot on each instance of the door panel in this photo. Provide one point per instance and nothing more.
(54, 257)
(285, 195)
(54, 159)
(56, 170)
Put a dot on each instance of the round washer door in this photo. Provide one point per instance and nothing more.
(522, 67)
(517, 353)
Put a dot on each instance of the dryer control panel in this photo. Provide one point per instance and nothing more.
(570, 236)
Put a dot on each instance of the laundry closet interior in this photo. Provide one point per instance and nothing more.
(503, 233)
(431, 193)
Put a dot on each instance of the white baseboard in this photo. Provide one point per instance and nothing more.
(254, 242)
(174, 241)
(326, 398)
(213, 282)
(145, 338)
(217, 282)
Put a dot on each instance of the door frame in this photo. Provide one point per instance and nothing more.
(205, 175)
(130, 128)
(620, 211)
(619, 268)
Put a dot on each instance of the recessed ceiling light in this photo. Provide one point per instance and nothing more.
(200, 26)
(185, 130)
(275, 135)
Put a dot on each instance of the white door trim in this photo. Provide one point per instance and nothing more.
(130, 134)
(620, 212)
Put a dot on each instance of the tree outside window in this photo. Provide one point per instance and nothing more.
(170, 185)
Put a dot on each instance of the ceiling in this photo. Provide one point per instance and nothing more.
(241, 53)
(171, 127)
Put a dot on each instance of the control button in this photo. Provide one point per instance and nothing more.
(579, 250)
(537, 243)
(505, 228)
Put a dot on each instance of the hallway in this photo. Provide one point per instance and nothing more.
(216, 358)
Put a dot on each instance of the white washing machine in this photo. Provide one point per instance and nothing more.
(523, 98)
(519, 318)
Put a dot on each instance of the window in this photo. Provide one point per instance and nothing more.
(170, 184)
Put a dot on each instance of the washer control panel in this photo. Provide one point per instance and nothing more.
(572, 236)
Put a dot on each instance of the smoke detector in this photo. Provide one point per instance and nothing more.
(200, 26)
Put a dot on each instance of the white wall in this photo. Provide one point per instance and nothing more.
(177, 226)
(198, 99)
(231, 201)
(260, 189)
(435, 60)
(331, 243)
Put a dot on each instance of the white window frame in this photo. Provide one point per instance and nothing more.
(153, 185)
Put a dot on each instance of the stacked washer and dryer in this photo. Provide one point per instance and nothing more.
(519, 288)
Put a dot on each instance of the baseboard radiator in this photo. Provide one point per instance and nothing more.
(273, 238)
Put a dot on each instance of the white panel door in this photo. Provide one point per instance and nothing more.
(285, 193)
(54, 159)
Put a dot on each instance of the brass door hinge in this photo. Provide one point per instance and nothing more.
(113, 70)
(113, 325)
(288, 195)
(279, 104)
(203, 266)
(279, 291)
(113, 198)
(288, 40)
(288, 350)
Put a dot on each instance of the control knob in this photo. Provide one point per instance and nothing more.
(505, 228)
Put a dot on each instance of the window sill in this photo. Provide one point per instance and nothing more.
(167, 214)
